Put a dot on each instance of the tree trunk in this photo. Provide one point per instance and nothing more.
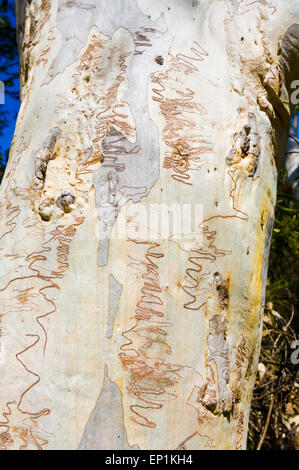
(292, 157)
(148, 339)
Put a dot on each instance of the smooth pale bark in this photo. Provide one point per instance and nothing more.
(136, 343)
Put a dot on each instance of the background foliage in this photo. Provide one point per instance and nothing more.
(275, 405)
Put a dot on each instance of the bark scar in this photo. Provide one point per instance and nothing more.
(216, 393)
(246, 148)
(44, 155)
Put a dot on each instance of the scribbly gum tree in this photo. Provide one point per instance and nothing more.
(140, 343)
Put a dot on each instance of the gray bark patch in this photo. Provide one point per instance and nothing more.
(105, 429)
(115, 290)
(44, 155)
(289, 51)
(292, 164)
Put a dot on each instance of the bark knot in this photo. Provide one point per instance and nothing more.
(44, 155)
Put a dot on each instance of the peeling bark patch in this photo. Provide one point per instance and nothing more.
(289, 66)
(222, 290)
(65, 201)
(44, 155)
(115, 290)
(105, 429)
(185, 141)
(219, 355)
(126, 134)
(246, 150)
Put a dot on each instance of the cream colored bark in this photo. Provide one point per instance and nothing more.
(140, 343)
